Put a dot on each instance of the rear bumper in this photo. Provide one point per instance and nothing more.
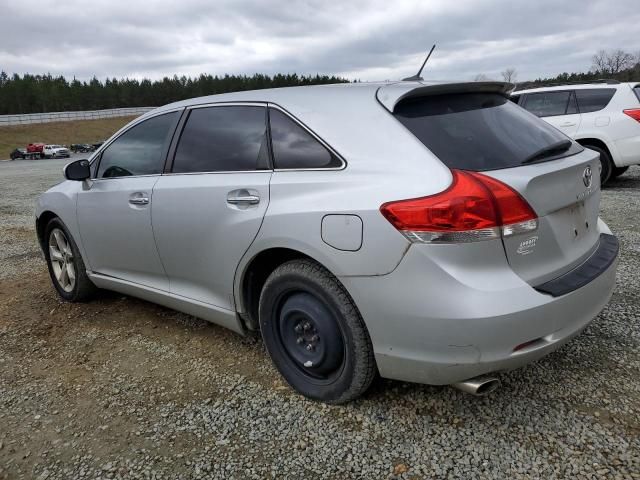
(449, 313)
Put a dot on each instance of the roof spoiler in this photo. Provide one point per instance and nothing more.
(390, 95)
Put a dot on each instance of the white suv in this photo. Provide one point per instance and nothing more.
(603, 116)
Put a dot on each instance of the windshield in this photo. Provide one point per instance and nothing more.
(479, 131)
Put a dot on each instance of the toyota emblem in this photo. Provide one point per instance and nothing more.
(587, 177)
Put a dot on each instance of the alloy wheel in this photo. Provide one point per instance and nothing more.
(62, 261)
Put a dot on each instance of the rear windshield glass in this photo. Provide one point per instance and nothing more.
(594, 99)
(478, 131)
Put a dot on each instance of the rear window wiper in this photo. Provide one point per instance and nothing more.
(549, 150)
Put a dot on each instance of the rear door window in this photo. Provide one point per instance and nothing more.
(294, 147)
(636, 89)
(547, 104)
(477, 131)
(223, 139)
(594, 99)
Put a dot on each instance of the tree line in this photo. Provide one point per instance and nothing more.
(612, 65)
(47, 93)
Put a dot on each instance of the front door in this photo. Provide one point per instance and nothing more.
(114, 210)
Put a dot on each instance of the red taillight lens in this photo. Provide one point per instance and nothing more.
(474, 207)
(633, 113)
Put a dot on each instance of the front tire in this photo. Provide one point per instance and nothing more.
(314, 333)
(66, 268)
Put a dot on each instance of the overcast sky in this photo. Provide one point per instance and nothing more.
(368, 40)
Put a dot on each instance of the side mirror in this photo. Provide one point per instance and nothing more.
(78, 170)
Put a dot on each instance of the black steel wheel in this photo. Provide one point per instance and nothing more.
(314, 333)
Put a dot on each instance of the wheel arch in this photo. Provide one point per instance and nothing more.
(41, 224)
(255, 274)
(596, 142)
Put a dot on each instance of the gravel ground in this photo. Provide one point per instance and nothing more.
(120, 388)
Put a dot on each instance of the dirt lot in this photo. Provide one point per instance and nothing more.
(66, 133)
(120, 388)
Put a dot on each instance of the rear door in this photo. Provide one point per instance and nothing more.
(559, 108)
(487, 133)
(208, 208)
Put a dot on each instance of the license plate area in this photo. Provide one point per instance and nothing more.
(577, 220)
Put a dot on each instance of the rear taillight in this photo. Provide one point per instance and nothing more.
(475, 207)
(633, 113)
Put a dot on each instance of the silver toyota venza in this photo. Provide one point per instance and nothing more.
(426, 232)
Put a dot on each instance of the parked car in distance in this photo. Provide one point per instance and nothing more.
(81, 148)
(56, 151)
(428, 232)
(97, 145)
(604, 117)
(36, 148)
(18, 153)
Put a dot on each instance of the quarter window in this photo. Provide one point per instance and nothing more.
(594, 99)
(222, 139)
(294, 147)
(138, 151)
(547, 104)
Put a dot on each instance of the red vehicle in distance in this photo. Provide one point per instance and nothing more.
(36, 148)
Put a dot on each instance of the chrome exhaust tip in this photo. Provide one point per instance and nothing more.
(478, 386)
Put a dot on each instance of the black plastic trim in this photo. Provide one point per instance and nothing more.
(595, 265)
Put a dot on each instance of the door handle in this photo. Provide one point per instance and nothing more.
(139, 201)
(567, 124)
(244, 200)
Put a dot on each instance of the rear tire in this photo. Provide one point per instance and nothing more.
(66, 267)
(314, 333)
(617, 171)
(606, 164)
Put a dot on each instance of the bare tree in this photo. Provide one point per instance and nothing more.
(509, 75)
(619, 60)
(612, 62)
(599, 62)
(481, 77)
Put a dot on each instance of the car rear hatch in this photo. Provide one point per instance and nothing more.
(472, 127)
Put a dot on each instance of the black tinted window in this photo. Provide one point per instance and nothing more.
(294, 147)
(476, 131)
(219, 139)
(138, 151)
(636, 89)
(547, 104)
(594, 99)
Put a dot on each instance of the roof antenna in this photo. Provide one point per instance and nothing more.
(417, 76)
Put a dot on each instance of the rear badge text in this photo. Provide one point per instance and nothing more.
(526, 246)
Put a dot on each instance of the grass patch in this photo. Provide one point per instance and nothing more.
(64, 133)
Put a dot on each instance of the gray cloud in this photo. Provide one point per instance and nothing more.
(369, 40)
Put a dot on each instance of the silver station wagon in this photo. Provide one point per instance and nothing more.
(425, 232)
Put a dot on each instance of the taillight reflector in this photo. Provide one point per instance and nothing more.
(633, 113)
(475, 207)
